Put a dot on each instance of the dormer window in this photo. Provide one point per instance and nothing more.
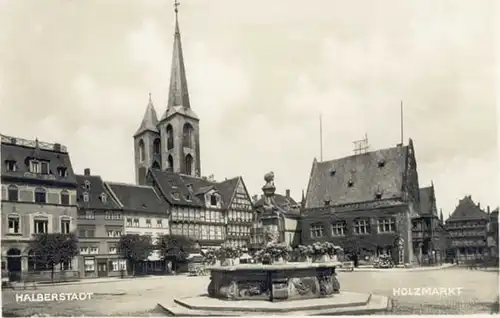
(176, 196)
(35, 166)
(62, 172)
(104, 198)
(350, 183)
(44, 167)
(86, 185)
(381, 162)
(327, 202)
(188, 197)
(10, 165)
(86, 197)
(332, 172)
(378, 195)
(213, 200)
(190, 187)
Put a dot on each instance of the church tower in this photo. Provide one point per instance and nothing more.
(179, 127)
(147, 144)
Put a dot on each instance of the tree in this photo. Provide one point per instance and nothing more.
(175, 247)
(134, 248)
(51, 249)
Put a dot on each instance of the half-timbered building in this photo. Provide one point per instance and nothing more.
(466, 228)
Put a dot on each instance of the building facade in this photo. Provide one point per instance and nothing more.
(428, 231)
(466, 228)
(144, 213)
(38, 196)
(364, 203)
(100, 226)
(208, 212)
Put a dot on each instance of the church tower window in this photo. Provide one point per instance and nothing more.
(142, 151)
(157, 146)
(189, 165)
(170, 163)
(187, 136)
(170, 137)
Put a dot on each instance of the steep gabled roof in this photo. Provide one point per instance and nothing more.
(189, 188)
(95, 191)
(137, 198)
(382, 170)
(467, 210)
(426, 195)
(175, 190)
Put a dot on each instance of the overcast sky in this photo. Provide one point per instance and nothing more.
(260, 72)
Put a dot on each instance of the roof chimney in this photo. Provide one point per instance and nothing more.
(488, 209)
(287, 193)
(479, 204)
(86, 171)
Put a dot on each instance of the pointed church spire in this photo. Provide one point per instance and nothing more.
(178, 92)
(150, 120)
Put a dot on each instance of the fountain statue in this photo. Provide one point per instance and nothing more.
(258, 289)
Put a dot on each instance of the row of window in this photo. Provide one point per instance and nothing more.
(39, 193)
(197, 215)
(114, 265)
(236, 243)
(467, 233)
(238, 230)
(468, 243)
(200, 231)
(359, 226)
(109, 215)
(134, 222)
(40, 225)
(187, 141)
(239, 216)
(459, 225)
(36, 166)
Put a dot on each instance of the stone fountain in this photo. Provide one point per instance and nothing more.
(276, 289)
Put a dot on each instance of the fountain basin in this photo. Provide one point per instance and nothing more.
(277, 289)
(275, 282)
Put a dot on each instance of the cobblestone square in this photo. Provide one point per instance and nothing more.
(140, 296)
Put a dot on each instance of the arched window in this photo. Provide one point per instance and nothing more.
(189, 164)
(157, 146)
(170, 137)
(40, 195)
(187, 136)
(142, 151)
(13, 193)
(170, 163)
(64, 197)
(156, 165)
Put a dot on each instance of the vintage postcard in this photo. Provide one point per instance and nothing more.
(248, 158)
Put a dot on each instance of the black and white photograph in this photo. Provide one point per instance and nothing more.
(249, 158)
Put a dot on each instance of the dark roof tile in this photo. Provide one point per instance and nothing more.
(192, 187)
(95, 191)
(137, 198)
(467, 210)
(21, 150)
(426, 200)
(370, 172)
